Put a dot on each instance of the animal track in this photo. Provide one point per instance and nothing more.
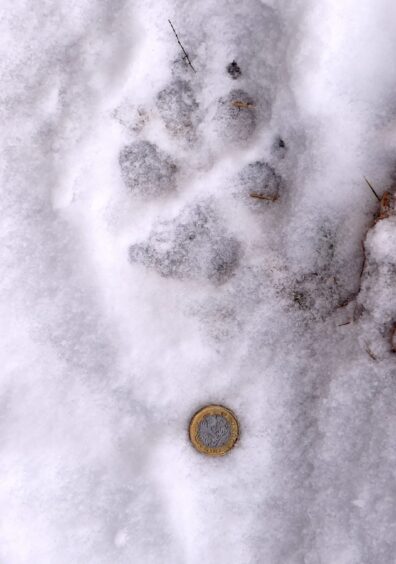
(178, 108)
(192, 246)
(235, 118)
(146, 170)
(258, 182)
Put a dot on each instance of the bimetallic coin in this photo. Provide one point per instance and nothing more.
(214, 430)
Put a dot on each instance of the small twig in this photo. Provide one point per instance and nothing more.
(370, 353)
(346, 323)
(372, 189)
(184, 51)
(241, 105)
(263, 197)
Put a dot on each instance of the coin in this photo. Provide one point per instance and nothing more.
(214, 430)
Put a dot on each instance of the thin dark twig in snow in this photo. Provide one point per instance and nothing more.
(372, 189)
(263, 197)
(370, 352)
(184, 51)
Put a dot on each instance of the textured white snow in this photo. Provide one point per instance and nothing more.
(132, 297)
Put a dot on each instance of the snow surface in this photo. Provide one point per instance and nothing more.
(141, 281)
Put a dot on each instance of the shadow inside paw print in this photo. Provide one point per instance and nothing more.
(193, 245)
(259, 183)
(146, 170)
(319, 291)
(236, 117)
(178, 107)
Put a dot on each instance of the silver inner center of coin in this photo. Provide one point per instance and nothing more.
(214, 431)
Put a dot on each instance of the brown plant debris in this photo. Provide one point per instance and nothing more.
(387, 203)
(263, 197)
(387, 206)
(242, 105)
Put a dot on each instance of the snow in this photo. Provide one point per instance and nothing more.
(141, 280)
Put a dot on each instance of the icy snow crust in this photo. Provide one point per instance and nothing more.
(141, 280)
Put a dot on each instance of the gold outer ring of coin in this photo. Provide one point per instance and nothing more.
(194, 430)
